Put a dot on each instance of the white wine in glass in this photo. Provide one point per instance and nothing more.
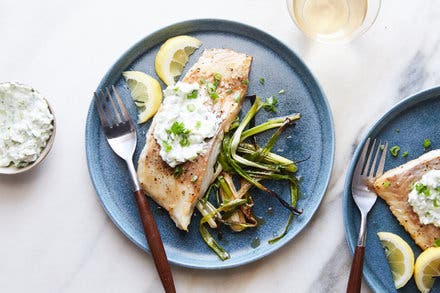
(333, 20)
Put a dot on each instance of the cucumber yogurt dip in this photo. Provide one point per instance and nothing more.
(26, 124)
(425, 198)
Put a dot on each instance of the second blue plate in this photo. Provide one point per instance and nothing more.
(407, 125)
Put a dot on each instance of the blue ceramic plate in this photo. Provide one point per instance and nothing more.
(312, 137)
(407, 124)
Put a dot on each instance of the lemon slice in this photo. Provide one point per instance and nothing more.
(173, 56)
(400, 257)
(427, 267)
(146, 92)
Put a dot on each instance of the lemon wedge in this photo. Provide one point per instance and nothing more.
(400, 257)
(173, 56)
(427, 267)
(146, 93)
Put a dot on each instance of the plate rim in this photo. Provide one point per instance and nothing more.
(379, 123)
(128, 57)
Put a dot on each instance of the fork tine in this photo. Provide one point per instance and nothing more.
(121, 105)
(115, 109)
(107, 110)
(381, 166)
(101, 113)
(373, 165)
(361, 160)
(368, 162)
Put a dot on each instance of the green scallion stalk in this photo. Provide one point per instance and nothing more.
(294, 199)
(204, 210)
(210, 241)
(270, 144)
(271, 158)
(226, 189)
(235, 140)
(269, 124)
(207, 237)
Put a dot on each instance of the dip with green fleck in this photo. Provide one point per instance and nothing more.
(425, 198)
(183, 123)
(26, 124)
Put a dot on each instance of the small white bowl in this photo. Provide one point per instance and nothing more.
(15, 170)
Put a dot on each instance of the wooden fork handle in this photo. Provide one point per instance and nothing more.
(155, 242)
(355, 279)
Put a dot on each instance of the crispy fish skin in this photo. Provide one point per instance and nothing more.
(179, 195)
(395, 195)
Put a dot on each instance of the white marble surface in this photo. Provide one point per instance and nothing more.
(55, 237)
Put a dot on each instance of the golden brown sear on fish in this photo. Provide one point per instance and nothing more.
(394, 187)
(179, 195)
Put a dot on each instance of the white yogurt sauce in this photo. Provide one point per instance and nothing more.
(425, 198)
(25, 124)
(183, 123)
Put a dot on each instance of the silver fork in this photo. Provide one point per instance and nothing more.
(121, 136)
(364, 197)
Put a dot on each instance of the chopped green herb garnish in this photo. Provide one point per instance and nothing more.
(229, 91)
(421, 188)
(167, 146)
(281, 92)
(176, 89)
(427, 192)
(217, 77)
(437, 242)
(198, 124)
(178, 171)
(211, 88)
(397, 130)
(405, 154)
(178, 128)
(426, 143)
(184, 142)
(395, 150)
(386, 184)
(245, 82)
(190, 107)
(194, 178)
(381, 147)
(435, 203)
(193, 94)
(237, 97)
(270, 104)
(262, 81)
(255, 242)
(437, 189)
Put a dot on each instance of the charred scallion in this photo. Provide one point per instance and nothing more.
(242, 157)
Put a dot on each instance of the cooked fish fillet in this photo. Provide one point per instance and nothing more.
(396, 196)
(179, 195)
